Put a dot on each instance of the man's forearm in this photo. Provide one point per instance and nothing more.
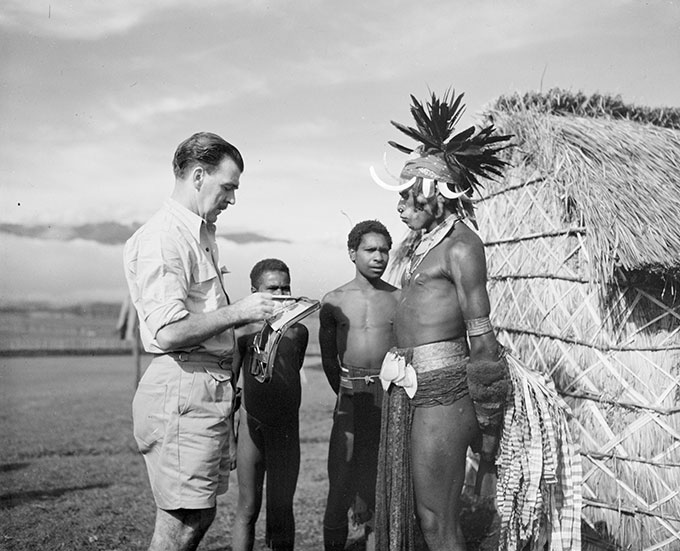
(484, 347)
(196, 328)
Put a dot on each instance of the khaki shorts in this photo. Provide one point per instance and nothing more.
(181, 414)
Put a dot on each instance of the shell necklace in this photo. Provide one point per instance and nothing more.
(428, 242)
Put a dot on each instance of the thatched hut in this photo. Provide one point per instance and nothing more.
(583, 249)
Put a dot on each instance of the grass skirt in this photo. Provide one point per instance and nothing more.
(538, 494)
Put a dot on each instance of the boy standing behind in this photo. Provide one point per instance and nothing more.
(268, 435)
(354, 335)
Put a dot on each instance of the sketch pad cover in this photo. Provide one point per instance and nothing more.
(267, 339)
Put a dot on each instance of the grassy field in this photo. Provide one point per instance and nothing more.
(70, 474)
(71, 477)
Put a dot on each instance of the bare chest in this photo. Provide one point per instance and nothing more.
(376, 314)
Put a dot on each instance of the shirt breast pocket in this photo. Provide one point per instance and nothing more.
(205, 284)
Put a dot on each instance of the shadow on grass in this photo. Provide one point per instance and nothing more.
(9, 467)
(8, 501)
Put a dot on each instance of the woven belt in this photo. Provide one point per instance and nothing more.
(224, 362)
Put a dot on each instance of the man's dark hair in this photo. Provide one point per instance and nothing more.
(267, 265)
(362, 228)
(205, 149)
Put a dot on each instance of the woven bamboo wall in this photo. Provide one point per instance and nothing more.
(615, 356)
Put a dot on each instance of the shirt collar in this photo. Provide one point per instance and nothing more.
(191, 220)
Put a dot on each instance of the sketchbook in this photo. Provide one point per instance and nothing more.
(266, 342)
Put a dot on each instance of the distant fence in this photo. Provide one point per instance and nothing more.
(65, 351)
(123, 349)
(91, 330)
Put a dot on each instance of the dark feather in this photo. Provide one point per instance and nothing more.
(400, 147)
(462, 136)
(469, 152)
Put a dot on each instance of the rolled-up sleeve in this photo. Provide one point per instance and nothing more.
(162, 278)
(171, 274)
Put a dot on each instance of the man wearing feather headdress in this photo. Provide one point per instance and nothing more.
(446, 382)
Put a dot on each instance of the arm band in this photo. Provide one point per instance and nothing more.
(478, 326)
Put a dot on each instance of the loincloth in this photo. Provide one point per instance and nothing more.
(431, 374)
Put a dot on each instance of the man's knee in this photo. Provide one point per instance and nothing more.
(181, 529)
(199, 520)
(247, 515)
(248, 505)
(429, 521)
(433, 523)
(441, 529)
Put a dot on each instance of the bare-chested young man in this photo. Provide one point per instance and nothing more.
(445, 379)
(355, 332)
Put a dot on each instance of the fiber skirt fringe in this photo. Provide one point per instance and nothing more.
(539, 470)
(395, 518)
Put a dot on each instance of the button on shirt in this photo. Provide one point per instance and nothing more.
(171, 267)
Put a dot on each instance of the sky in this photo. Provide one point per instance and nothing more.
(96, 96)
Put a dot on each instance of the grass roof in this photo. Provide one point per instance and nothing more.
(619, 178)
(557, 101)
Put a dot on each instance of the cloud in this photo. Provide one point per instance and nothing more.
(316, 268)
(75, 20)
(183, 100)
(390, 44)
(111, 233)
(84, 20)
(80, 19)
(246, 238)
(55, 271)
(320, 127)
(142, 112)
(79, 271)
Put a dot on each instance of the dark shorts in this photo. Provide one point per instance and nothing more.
(354, 444)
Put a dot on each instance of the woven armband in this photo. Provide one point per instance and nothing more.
(478, 326)
(488, 384)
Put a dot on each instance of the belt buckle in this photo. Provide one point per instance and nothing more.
(225, 363)
(182, 357)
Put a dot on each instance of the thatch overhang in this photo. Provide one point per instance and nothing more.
(618, 180)
(583, 244)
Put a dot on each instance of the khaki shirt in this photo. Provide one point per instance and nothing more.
(171, 267)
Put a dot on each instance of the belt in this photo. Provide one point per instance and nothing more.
(346, 380)
(224, 362)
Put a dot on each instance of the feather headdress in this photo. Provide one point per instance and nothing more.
(447, 162)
